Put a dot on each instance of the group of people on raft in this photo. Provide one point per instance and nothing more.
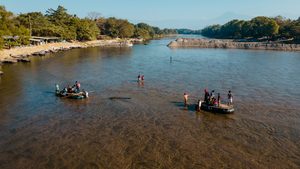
(71, 90)
(210, 99)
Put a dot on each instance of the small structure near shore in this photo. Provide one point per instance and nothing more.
(231, 44)
(36, 40)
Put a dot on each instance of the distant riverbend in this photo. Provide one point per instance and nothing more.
(230, 44)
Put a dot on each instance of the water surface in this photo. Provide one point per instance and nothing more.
(152, 129)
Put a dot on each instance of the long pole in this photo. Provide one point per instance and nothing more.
(30, 27)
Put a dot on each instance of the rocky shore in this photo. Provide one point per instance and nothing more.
(231, 44)
(22, 54)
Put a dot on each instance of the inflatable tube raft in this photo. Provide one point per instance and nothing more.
(223, 109)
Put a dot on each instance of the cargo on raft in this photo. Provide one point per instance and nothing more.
(222, 108)
(80, 95)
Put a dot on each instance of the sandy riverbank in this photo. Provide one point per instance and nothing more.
(20, 53)
(231, 44)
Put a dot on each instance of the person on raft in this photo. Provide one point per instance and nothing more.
(185, 97)
(219, 99)
(206, 96)
(77, 87)
(230, 97)
(212, 94)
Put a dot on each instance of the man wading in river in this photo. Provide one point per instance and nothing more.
(185, 96)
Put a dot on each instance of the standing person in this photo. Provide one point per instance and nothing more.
(206, 96)
(77, 86)
(219, 99)
(56, 88)
(212, 94)
(199, 105)
(185, 96)
(143, 78)
(230, 97)
(139, 78)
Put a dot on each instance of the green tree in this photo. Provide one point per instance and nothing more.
(232, 29)
(58, 16)
(37, 22)
(264, 26)
(141, 33)
(87, 30)
(111, 27)
(147, 28)
(126, 29)
(211, 31)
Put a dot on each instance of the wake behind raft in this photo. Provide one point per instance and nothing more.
(71, 93)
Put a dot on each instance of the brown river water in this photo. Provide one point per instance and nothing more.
(152, 129)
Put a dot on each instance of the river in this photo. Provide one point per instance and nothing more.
(152, 129)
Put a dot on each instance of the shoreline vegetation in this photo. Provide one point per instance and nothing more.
(36, 34)
(231, 44)
(259, 33)
(258, 29)
(59, 25)
(22, 54)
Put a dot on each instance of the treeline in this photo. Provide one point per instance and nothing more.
(59, 23)
(188, 31)
(258, 27)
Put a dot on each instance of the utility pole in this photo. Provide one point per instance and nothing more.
(30, 27)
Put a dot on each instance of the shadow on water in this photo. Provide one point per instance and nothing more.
(189, 107)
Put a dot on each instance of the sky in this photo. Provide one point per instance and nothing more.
(193, 14)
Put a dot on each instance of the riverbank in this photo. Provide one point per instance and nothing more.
(21, 54)
(231, 44)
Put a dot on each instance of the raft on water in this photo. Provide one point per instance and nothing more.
(80, 95)
(222, 108)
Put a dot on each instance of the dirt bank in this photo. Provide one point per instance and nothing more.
(230, 44)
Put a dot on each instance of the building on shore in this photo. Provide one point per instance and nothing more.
(36, 40)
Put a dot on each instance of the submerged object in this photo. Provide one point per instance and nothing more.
(223, 109)
(124, 98)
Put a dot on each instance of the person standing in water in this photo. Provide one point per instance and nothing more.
(142, 77)
(185, 96)
(57, 88)
(139, 78)
(219, 99)
(230, 97)
(199, 105)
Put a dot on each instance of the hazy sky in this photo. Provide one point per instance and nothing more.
(166, 13)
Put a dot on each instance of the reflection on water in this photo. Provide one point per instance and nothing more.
(151, 129)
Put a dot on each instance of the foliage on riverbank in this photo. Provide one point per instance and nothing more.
(188, 31)
(59, 23)
(258, 27)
